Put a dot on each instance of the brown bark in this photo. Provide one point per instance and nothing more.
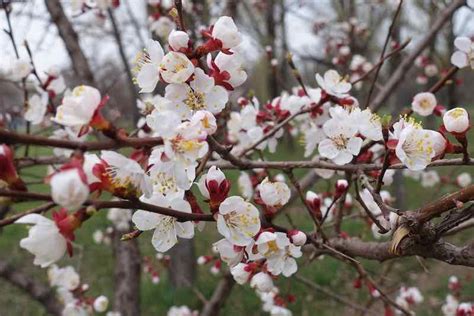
(380, 251)
(126, 276)
(36, 290)
(71, 41)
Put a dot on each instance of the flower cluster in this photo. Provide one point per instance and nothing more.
(72, 293)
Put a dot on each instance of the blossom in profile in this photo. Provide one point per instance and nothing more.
(227, 70)
(121, 176)
(214, 187)
(36, 108)
(81, 109)
(226, 33)
(44, 240)
(333, 84)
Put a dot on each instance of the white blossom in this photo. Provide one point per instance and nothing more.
(424, 103)
(333, 84)
(69, 188)
(238, 221)
(274, 194)
(44, 240)
(167, 229)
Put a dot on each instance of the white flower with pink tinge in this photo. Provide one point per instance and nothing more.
(126, 172)
(44, 240)
(227, 69)
(226, 32)
(424, 103)
(167, 229)
(464, 56)
(416, 147)
(238, 221)
(334, 84)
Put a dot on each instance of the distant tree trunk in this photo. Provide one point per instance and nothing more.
(126, 276)
(71, 41)
(271, 28)
(183, 264)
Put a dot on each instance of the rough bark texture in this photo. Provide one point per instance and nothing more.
(36, 290)
(127, 276)
(183, 264)
(380, 251)
(221, 293)
(71, 41)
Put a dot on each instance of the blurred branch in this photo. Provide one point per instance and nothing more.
(123, 57)
(338, 298)
(397, 76)
(382, 54)
(219, 296)
(36, 290)
(71, 41)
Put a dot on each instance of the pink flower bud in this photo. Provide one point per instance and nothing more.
(298, 238)
(341, 187)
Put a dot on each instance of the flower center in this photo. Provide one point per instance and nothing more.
(456, 113)
(340, 141)
(195, 100)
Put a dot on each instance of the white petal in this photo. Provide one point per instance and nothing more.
(459, 59)
(148, 78)
(463, 44)
(145, 220)
(328, 149)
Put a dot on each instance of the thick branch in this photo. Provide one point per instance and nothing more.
(8, 137)
(380, 251)
(125, 204)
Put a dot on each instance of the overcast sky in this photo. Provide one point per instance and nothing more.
(31, 21)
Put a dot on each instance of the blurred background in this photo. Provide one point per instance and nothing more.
(346, 35)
